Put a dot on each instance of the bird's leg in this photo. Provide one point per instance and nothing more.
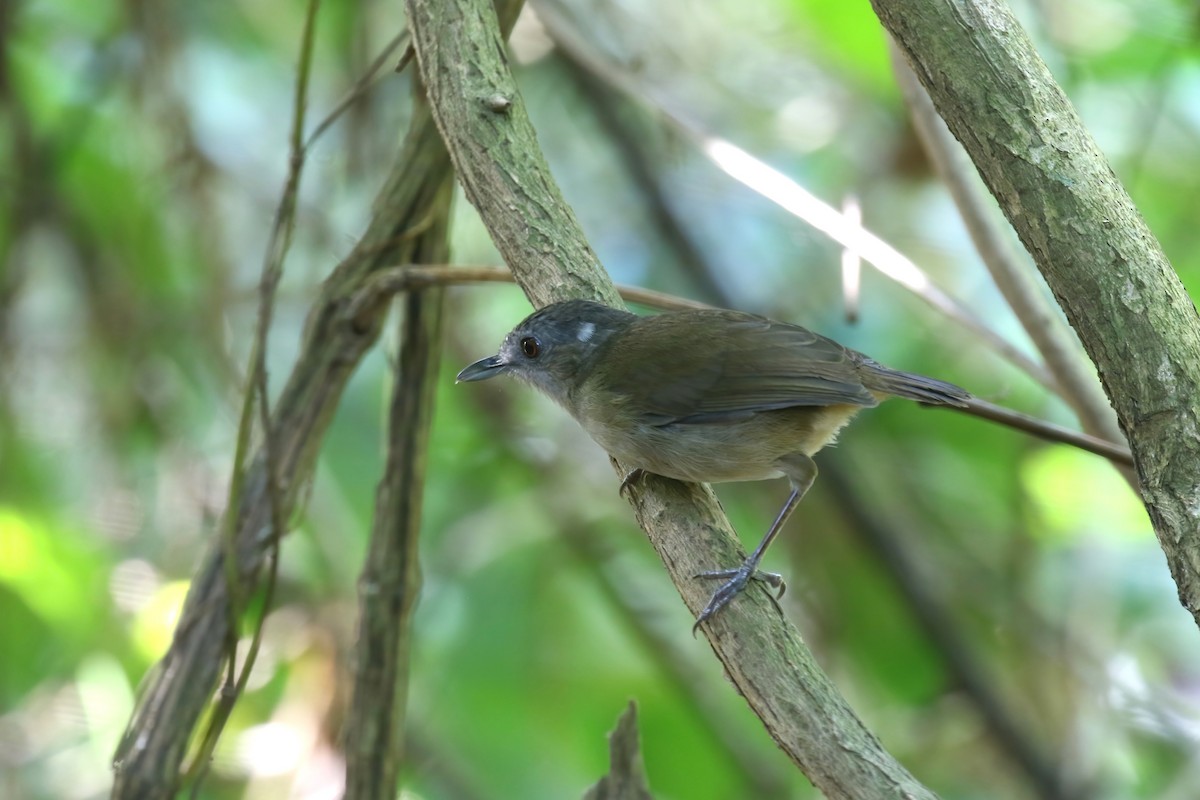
(631, 477)
(802, 471)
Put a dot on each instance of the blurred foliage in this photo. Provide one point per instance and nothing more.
(143, 151)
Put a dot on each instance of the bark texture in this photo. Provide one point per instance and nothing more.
(494, 149)
(1103, 264)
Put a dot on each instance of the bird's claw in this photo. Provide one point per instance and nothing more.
(631, 477)
(737, 580)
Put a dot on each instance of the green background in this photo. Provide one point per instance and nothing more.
(144, 148)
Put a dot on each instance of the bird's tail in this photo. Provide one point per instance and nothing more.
(915, 387)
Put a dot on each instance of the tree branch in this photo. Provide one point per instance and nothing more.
(790, 196)
(412, 277)
(1011, 735)
(1103, 264)
(1077, 383)
(626, 598)
(390, 580)
(494, 149)
(148, 759)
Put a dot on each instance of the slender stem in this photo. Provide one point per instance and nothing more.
(360, 87)
(178, 691)
(1014, 277)
(793, 198)
(1103, 264)
(411, 278)
(494, 149)
(373, 735)
(257, 397)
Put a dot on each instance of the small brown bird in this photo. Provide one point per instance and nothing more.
(703, 396)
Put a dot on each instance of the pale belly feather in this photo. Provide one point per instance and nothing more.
(744, 450)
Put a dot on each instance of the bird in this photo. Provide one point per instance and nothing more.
(704, 396)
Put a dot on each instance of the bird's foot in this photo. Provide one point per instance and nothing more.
(736, 581)
(631, 477)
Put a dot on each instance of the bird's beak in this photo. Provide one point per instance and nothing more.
(482, 369)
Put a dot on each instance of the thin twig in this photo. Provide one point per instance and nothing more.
(761, 776)
(505, 176)
(791, 196)
(1013, 277)
(1115, 453)
(180, 688)
(360, 86)
(394, 280)
(373, 735)
(257, 397)
(388, 282)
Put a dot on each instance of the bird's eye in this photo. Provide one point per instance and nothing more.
(531, 347)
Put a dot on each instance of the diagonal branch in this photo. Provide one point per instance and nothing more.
(494, 149)
(1103, 264)
(390, 580)
(790, 196)
(148, 759)
(1032, 306)
(409, 278)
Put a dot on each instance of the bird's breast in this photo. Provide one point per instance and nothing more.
(746, 449)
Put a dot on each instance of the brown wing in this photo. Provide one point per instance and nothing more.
(740, 365)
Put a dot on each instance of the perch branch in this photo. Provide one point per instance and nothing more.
(493, 146)
(1102, 263)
